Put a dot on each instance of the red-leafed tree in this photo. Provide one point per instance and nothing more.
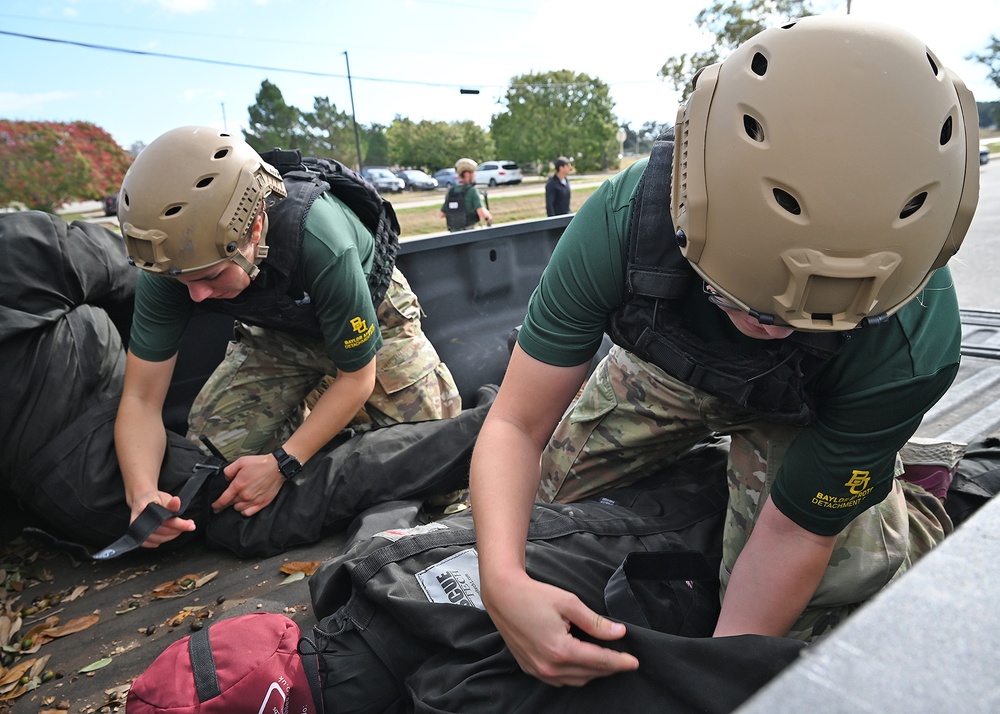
(46, 164)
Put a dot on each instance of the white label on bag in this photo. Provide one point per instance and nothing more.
(395, 534)
(454, 580)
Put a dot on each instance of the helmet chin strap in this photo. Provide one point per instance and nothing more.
(260, 252)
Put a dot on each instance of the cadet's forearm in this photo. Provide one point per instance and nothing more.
(140, 444)
(505, 464)
(140, 437)
(775, 576)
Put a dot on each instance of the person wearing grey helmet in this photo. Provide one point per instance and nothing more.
(786, 292)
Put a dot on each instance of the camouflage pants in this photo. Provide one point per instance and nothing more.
(256, 398)
(632, 419)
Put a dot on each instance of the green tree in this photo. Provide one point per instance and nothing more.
(330, 132)
(991, 58)
(731, 23)
(557, 113)
(989, 111)
(432, 145)
(989, 114)
(647, 134)
(375, 145)
(273, 123)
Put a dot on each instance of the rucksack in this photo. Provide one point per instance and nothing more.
(456, 211)
(403, 627)
(248, 663)
(360, 196)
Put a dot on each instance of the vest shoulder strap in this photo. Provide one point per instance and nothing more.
(656, 267)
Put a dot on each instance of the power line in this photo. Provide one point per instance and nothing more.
(203, 60)
(313, 73)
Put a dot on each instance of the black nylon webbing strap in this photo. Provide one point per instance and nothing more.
(555, 527)
(206, 679)
(154, 514)
(671, 565)
(140, 529)
(310, 663)
(663, 566)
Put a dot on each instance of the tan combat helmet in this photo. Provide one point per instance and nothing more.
(823, 171)
(189, 200)
(463, 165)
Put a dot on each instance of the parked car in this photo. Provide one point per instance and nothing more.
(984, 155)
(495, 173)
(417, 180)
(110, 204)
(383, 179)
(446, 178)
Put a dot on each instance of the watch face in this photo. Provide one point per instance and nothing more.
(288, 465)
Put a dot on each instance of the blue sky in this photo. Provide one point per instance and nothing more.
(407, 57)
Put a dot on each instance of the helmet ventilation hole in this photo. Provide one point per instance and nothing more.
(759, 64)
(753, 128)
(125, 198)
(221, 154)
(946, 130)
(787, 201)
(934, 66)
(913, 205)
(172, 211)
(204, 182)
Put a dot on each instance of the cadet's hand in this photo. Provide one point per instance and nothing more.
(534, 620)
(170, 528)
(254, 481)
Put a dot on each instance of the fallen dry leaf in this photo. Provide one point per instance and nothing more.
(180, 587)
(205, 578)
(196, 611)
(17, 671)
(308, 567)
(75, 625)
(77, 592)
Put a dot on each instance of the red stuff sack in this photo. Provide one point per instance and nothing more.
(248, 663)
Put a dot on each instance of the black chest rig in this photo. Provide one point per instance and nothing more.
(768, 377)
(269, 300)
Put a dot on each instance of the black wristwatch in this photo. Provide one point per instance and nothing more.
(288, 465)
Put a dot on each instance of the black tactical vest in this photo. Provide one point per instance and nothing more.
(269, 300)
(768, 377)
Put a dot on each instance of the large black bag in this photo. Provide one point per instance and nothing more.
(65, 312)
(403, 629)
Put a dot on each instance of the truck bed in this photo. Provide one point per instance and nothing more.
(474, 287)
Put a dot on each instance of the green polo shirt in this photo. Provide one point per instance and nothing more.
(870, 398)
(337, 255)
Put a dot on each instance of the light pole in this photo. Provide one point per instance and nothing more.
(354, 118)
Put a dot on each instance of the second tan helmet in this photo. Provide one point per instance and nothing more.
(823, 171)
(463, 165)
(188, 200)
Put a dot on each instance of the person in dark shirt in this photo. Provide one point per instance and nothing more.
(557, 189)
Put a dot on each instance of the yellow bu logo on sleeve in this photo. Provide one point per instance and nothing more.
(364, 331)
